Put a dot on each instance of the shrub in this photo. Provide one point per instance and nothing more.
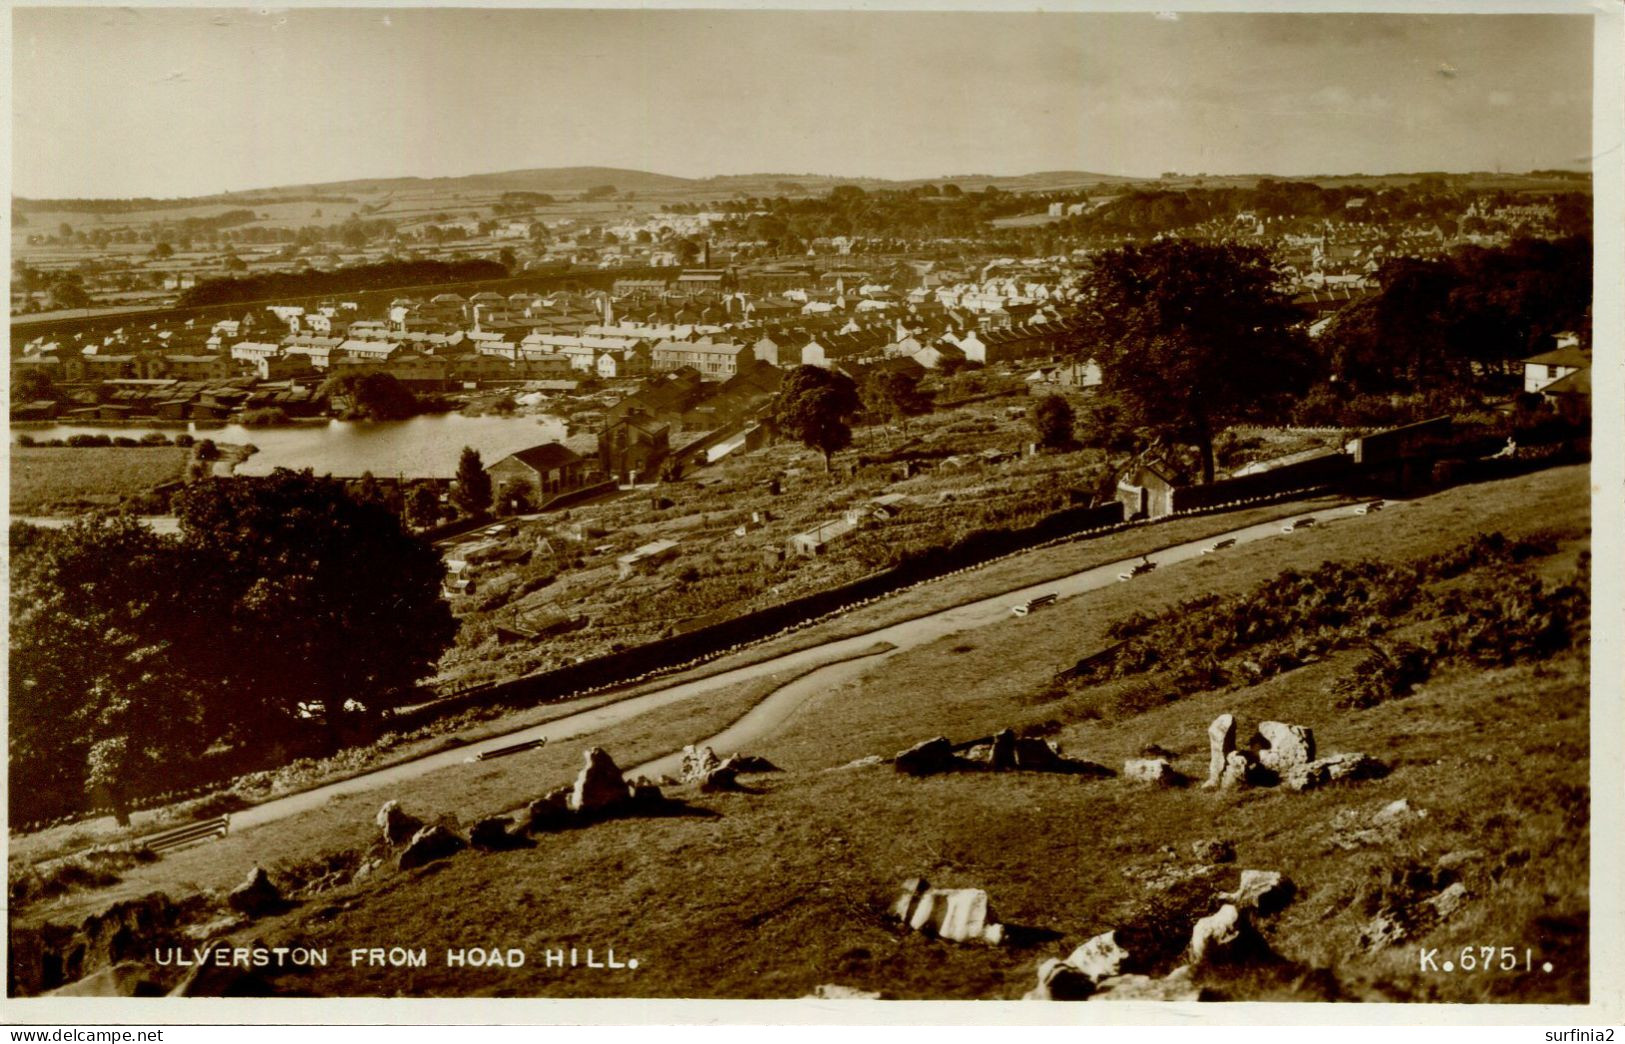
(125, 441)
(80, 441)
(1387, 672)
(264, 417)
(155, 438)
(184, 440)
(25, 439)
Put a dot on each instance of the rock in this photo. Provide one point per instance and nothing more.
(1238, 771)
(697, 763)
(1214, 850)
(1382, 931)
(397, 825)
(1004, 751)
(1038, 755)
(927, 758)
(1175, 986)
(1394, 812)
(367, 868)
(1225, 937)
(1221, 738)
(1332, 769)
(955, 914)
(127, 979)
(1289, 746)
(1449, 901)
(830, 991)
(1155, 771)
(1059, 981)
(550, 812)
(429, 844)
(718, 780)
(1265, 891)
(600, 785)
(491, 834)
(869, 762)
(256, 895)
(1454, 860)
(1100, 957)
(750, 764)
(646, 795)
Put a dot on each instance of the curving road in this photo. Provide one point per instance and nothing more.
(854, 655)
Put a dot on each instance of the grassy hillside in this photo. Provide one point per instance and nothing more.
(770, 893)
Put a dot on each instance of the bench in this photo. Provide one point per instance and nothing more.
(513, 748)
(1220, 546)
(181, 836)
(1033, 603)
(1302, 523)
(1366, 509)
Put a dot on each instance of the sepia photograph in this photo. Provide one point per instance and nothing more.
(811, 505)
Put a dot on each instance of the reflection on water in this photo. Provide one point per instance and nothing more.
(423, 447)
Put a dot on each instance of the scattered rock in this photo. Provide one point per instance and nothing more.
(1038, 755)
(1100, 957)
(1289, 746)
(719, 779)
(1395, 812)
(397, 825)
(1384, 930)
(750, 764)
(927, 758)
(697, 764)
(1004, 751)
(367, 868)
(256, 895)
(1221, 738)
(211, 930)
(549, 812)
(1156, 771)
(1449, 901)
(869, 762)
(1265, 891)
(600, 785)
(646, 794)
(492, 834)
(1332, 769)
(1059, 981)
(1238, 771)
(955, 914)
(831, 991)
(1453, 861)
(1214, 850)
(1175, 986)
(1225, 937)
(429, 844)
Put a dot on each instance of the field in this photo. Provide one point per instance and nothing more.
(769, 893)
(51, 480)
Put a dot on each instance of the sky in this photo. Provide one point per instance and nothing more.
(180, 102)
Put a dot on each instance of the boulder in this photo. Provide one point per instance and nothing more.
(1100, 957)
(1214, 850)
(750, 764)
(720, 779)
(831, 991)
(429, 844)
(1455, 860)
(1239, 771)
(927, 758)
(549, 812)
(1265, 891)
(1155, 771)
(1449, 901)
(1395, 812)
(1332, 769)
(491, 834)
(1075, 977)
(256, 895)
(866, 762)
(1059, 981)
(1225, 937)
(1004, 751)
(397, 826)
(955, 914)
(599, 786)
(1289, 746)
(1175, 986)
(646, 794)
(1221, 738)
(1038, 755)
(697, 763)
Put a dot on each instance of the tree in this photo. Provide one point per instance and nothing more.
(67, 294)
(472, 494)
(518, 497)
(33, 386)
(370, 396)
(1192, 337)
(162, 250)
(1053, 421)
(422, 506)
(814, 406)
(342, 604)
(894, 396)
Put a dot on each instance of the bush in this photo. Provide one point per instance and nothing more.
(155, 438)
(1387, 672)
(25, 439)
(184, 440)
(80, 441)
(265, 417)
(125, 441)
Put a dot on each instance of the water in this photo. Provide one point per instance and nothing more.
(423, 447)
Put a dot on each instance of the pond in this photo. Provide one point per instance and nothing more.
(423, 447)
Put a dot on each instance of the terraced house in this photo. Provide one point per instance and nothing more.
(714, 360)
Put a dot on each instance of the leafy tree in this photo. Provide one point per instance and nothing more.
(207, 450)
(337, 601)
(422, 506)
(33, 386)
(162, 250)
(67, 294)
(895, 396)
(518, 497)
(1052, 422)
(472, 493)
(814, 407)
(370, 396)
(1192, 337)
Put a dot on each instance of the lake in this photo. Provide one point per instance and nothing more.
(423, 447)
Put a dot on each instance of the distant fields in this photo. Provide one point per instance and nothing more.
(48, 480)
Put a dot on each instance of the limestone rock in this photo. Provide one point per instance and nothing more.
(1076, 976)
(1059, 981)
(1332, 769)
(397, 826)
(1265, 891)
(924, 759)
(1155, 771)
(697, 763)
(1221, 738)
(1394, 812)
(549, 812)
(955, 914)
(720, 779)
(491, 834)
(1449, 901)
(1038, 755)
(750, 764)
(1004, 751)
(1289, 746)
(600, 785)
(1225, 937)
(1238, 771)
(1175, 986)
(646, 794)
(1455, 860)
(1214, 850)
(429, 844)
(867, 762)
(1100, 957)
(256, 895)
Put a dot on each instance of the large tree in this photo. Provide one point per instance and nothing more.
(472, 491)
(370, 396)
(814, 406)
(894, 396)
(1192, 337)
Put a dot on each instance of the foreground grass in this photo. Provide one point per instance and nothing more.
(47, 479)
